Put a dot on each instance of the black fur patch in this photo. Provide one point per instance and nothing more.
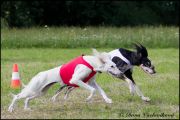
(120, 64)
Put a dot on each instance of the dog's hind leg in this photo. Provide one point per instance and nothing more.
(11, 107)
(69, 89)
(58, 92)
(21, 95)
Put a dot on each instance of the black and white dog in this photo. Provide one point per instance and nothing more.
(125, 60)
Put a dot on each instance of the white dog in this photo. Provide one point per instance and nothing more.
(70, 74)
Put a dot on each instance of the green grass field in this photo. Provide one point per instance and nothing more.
(163, 88)
(88, 37)
(39, 49)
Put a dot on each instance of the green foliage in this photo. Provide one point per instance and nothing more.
(21, 13)
(4, 24)
(90, 37)
(83, 13)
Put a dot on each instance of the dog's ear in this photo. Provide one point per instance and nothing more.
(137, 47)
(138, 55)
(104, 57)
(141, 50)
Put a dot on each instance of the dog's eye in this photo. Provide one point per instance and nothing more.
(148, 64)
(112, 66)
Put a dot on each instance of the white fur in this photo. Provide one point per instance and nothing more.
(134, 88)
(38, 83)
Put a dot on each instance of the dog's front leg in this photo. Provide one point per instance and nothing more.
(93, 83)
(131, 86)
(139, 93)
(134, 88)
(81, 72)
(15, 98)
(84, 85)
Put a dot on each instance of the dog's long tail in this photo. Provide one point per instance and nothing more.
(13, 95)
(23, 85)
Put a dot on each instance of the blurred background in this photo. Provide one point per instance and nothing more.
(88, 24)
(88, 13)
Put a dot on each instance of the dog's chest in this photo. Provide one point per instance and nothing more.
(67, 70)
(121, 62)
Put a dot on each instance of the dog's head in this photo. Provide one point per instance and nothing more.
(143, 59)
(107, 65)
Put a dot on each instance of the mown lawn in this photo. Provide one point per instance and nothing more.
(163, 88)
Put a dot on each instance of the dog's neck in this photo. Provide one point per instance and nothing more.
(135, 60)
(93, 61)
(131, 56)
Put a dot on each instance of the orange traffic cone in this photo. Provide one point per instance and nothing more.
(15, 82)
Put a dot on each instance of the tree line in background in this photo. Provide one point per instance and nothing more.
(85, 13)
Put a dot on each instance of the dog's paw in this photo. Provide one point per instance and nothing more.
(65, 97)
(88, 99)
(108, 100)
(91, 95)
(27, 108)
(147, 99)
(53, 98)
(11, 109)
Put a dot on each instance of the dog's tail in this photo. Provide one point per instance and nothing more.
(23, 85)
(13, 95)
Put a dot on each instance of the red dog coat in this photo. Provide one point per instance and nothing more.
(67, 70)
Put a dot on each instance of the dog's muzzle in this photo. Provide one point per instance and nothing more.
(149, 70)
